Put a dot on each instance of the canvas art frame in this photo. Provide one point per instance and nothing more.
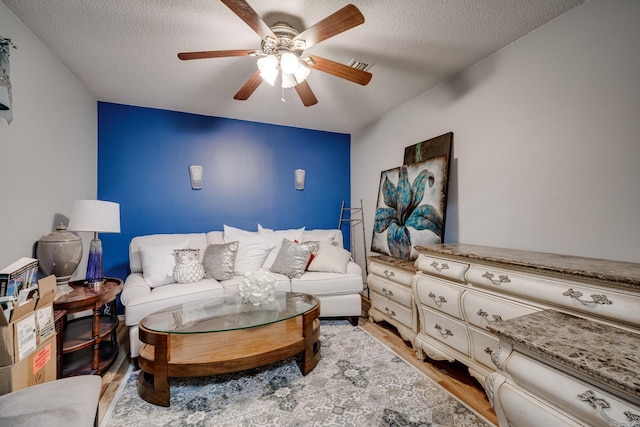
(412, 198)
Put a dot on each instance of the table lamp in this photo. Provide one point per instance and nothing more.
(96, 216)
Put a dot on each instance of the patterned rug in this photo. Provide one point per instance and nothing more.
(358, 382)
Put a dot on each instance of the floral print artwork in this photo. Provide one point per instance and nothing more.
(411, 207)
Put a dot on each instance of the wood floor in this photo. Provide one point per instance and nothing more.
(451, 376)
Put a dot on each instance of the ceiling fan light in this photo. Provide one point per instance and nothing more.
(268, 67)
(289, 62)
(288, 80)
(302, 72)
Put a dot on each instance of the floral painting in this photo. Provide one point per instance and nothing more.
(411, 208)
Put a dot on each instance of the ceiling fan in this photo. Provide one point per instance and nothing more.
(282, 48)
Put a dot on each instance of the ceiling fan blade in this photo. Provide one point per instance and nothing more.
(340, 70)
(216, 54)
(250, 17)
(336, 23)
(249, 87)
(306, 94)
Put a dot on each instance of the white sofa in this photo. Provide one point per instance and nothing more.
(339, 293)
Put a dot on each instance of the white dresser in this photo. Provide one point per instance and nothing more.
(459, 289)
(561, 370)
(389, 281)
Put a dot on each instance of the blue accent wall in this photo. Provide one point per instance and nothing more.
(143, 160)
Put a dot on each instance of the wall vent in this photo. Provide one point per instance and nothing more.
(360, 65)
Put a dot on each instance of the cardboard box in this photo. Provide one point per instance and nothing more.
(37, 368)
(29, 324)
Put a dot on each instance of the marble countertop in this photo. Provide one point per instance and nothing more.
(607, 354)
(395, 262)
(602, 271)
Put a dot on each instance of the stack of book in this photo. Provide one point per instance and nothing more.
(18, 281)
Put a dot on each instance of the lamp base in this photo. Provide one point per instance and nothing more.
(95, 271)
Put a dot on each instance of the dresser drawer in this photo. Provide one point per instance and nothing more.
(599, 302)
(392, 309)
(481, 308)
(447, 330)
(521, 409)
(483, 344)
(439, 295)
(567, 392)
(391, 290)
(442, 267)
(394, 274)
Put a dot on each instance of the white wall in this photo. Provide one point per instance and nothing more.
(48, 153)
(546, 150)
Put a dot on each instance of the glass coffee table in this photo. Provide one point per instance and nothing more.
(225, 335)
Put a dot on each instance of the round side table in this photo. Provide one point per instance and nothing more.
(89, 343)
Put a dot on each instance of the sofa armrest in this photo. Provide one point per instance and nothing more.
(353, 267)
(135, 288)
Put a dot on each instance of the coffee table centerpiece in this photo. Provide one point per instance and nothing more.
(225, 335)
(258, 287)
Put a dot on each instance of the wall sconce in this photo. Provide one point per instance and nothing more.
(299, 175)
(195, 174)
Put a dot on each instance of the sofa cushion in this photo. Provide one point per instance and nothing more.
(276, 237)
(329, 258)
(197, 241)
(139, 304)
(158, 262)
(253, 248)
(293, 258)
(219, 260)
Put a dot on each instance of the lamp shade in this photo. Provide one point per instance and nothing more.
(95, 215)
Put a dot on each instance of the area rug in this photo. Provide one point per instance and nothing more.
(358, 382)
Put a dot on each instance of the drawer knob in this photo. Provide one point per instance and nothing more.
(600, 405)
(389, 312)
(439, 300)
(503, 278)
(388, 274)
(446, 333)
(440, 267)
(595, 299)
(488, 350)
(387, 292)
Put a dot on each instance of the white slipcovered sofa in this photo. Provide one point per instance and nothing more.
(337, 281)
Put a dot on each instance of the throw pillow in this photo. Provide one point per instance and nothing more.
(253, 248)
(158, 262)
(293, 258)
(331, 259)
(326, 236)
(219, 260)
(276, 237)
(188, 267)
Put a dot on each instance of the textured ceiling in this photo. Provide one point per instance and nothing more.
(124, 51)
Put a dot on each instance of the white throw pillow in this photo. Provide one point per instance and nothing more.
(158, 262)
(327, 236)
(253, 248)
(276, 237)
(329, 258)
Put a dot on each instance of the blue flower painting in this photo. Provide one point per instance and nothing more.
(410, 210)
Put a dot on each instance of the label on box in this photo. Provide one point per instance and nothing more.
(41, 358)
(26, 332)
(46, 325)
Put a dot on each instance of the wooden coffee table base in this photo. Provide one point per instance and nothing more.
(163, 355)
